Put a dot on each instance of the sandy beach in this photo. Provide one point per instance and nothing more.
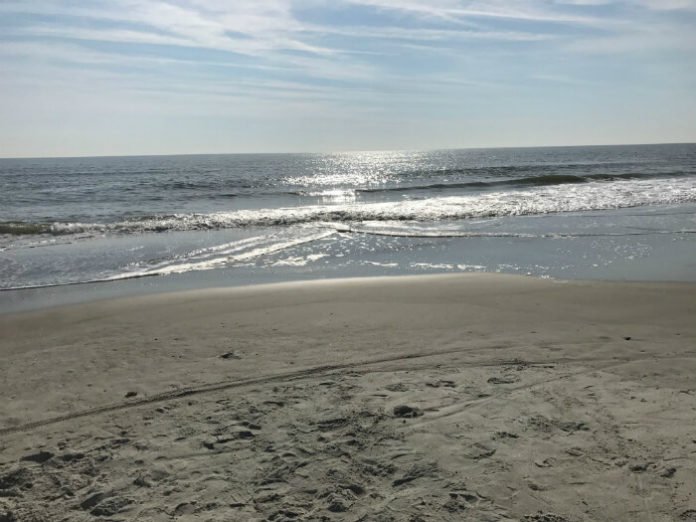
(458, 397)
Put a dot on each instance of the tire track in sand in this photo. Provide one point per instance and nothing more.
(307, 373)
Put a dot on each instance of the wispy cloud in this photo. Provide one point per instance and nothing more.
(274, 28)
(243, 26)
(538, 11)
(279, 58)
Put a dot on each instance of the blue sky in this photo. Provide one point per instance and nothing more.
(194, 76)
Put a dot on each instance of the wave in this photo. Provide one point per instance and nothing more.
(484, 170)
(537, 200)
(444, 234)
(242, 251)
(235, 253)
(544, 180)
(20, 228)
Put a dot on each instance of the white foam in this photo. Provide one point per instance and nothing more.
(471, 268)
(299, 260)
(229, 254)
(600, 195)
(377, 263)
(432, 266)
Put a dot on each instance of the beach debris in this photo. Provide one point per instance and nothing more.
(405, 411)
(131, 394)
(668, 473)
(230, 355)
(627, 338)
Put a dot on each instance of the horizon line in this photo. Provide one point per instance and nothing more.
(347, 151)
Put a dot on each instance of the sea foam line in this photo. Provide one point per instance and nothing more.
(599, 195)
(194, 261)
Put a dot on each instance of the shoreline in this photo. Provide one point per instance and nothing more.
(585, 246)
(524, 398)
(49, 297)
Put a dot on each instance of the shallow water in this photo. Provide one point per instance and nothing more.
(618, 213)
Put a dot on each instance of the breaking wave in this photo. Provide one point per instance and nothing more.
(540, 181)
(571, 197)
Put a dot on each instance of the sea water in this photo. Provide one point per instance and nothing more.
(73, 229)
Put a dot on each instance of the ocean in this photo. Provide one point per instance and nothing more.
(73, 229)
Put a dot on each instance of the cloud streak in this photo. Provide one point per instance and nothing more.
(335, 57)
(273, 27)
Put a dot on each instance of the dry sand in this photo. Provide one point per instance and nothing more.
(469, 397)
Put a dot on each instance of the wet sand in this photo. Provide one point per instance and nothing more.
(459, 397)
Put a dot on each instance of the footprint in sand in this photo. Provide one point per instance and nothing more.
(416, 472)
(688, 516)
(18, 479)
(40, 457)
(407, 412)
(461, 500)
(441, 383)
(479, 451)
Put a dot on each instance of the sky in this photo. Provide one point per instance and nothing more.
(111, 77)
